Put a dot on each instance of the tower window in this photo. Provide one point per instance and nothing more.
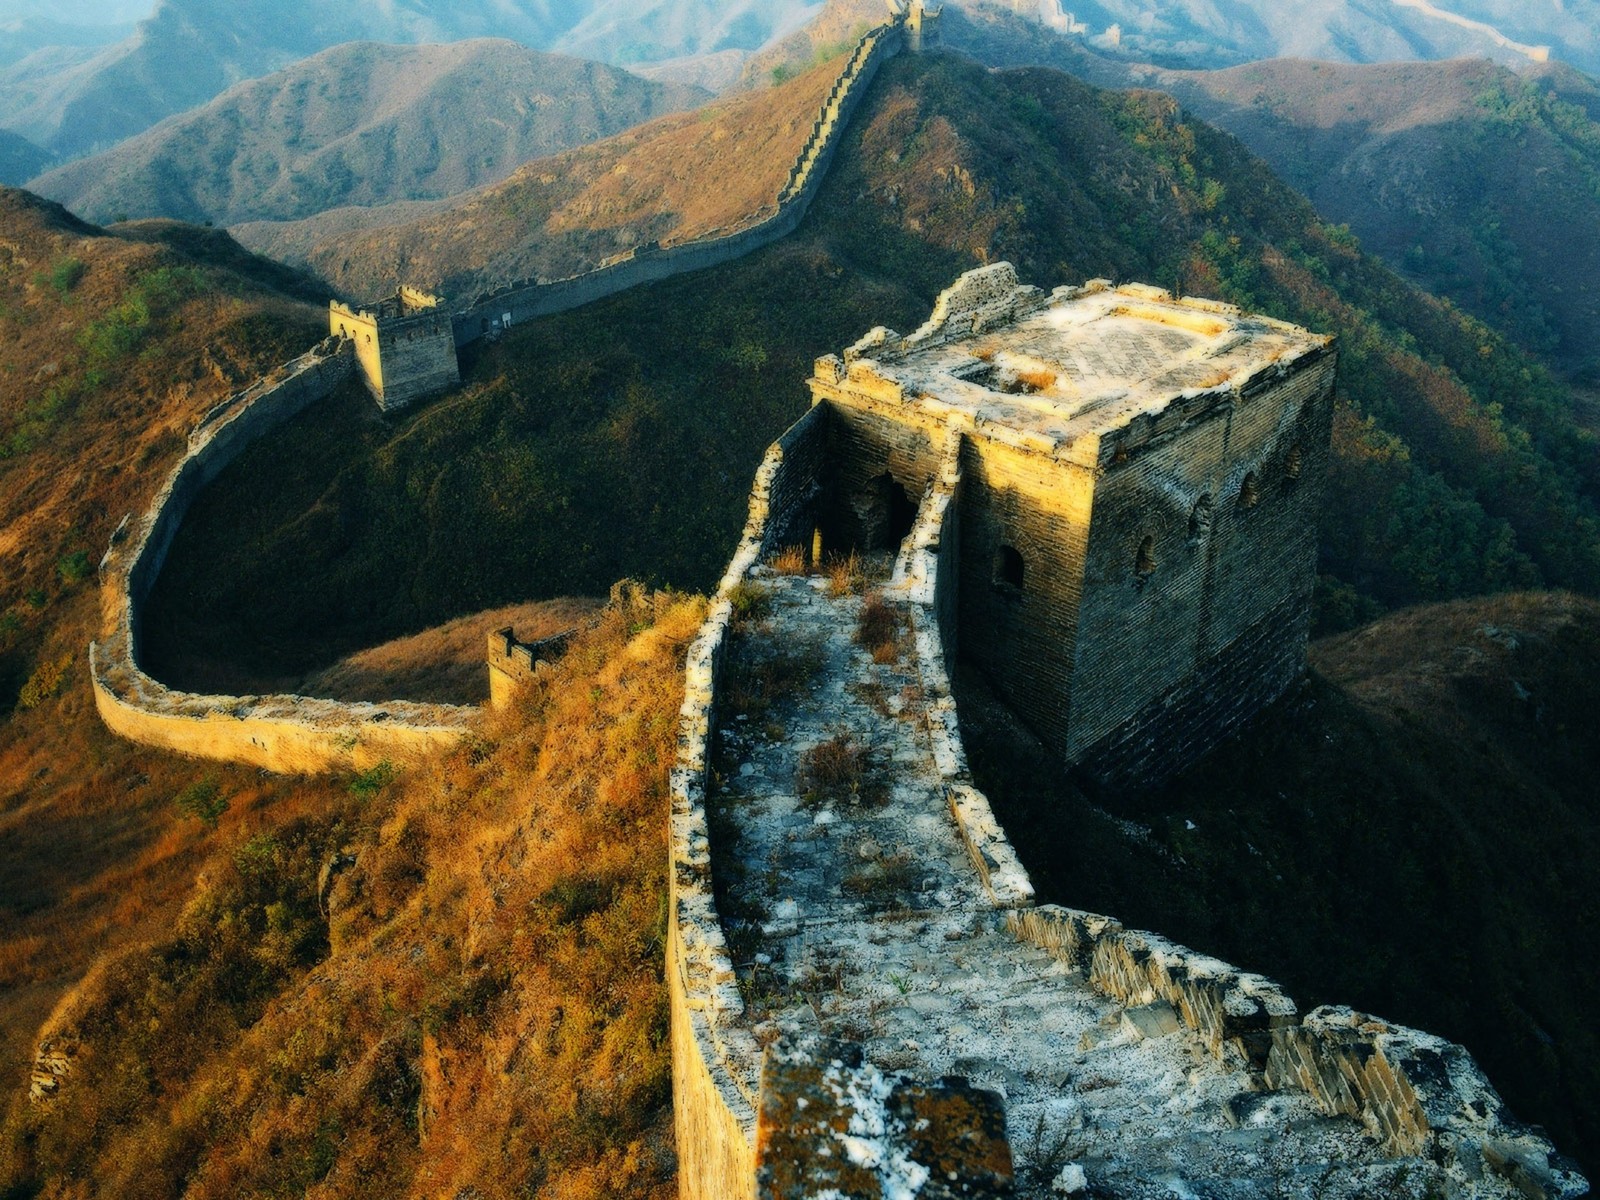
(1292, 465)
(1249, 492)
(1200, 519)
(1144, 563)
(1009, 568)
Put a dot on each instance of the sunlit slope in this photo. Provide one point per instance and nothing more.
(671, 180)
(111, 346)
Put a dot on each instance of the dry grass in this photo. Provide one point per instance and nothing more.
(480, 1010)
(791, 560)
(839, 768)
(878, 628)
(883, 881)
(445, 665)
(846, 573)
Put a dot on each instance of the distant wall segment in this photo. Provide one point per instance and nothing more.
(653, 262)
(290, 734)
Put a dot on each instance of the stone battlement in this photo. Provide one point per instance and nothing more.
(514, 664)
(405, 346)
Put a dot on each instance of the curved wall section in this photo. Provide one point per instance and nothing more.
(289, 734)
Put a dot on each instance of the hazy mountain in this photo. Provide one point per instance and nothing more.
(675, 178)
(362, 124)
(1221, 33)
(1480, 183)
(20, 159)
(191, 50)
(1208, 33)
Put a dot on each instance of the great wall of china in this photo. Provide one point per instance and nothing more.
(299, 734)
(900, 1018)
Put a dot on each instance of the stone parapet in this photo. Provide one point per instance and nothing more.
(291, 734)
(716, 1062)
(1414, 1093)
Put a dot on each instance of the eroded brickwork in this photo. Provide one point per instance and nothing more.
(1138, 518)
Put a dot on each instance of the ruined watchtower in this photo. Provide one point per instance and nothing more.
(922, 23)
(404, 343)
(1140, 483)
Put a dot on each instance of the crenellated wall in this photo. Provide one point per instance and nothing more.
(290, 734)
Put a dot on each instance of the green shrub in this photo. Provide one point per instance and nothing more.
(66, 274)
(370, 782)
(202, 800)
(45, 683)
(74, 567)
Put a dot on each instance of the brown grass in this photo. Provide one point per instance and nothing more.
(792, 560)
(845, 572)
(839, 768)
(878, 628)
(482, 1009)
(446, 664)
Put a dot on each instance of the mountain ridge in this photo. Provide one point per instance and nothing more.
(189, 51)
(362, 124)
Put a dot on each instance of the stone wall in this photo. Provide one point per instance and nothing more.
(715, 1063)
(290, 734)
(513, 664)
(653, 262)
(1199, 567)
(1414, 1093)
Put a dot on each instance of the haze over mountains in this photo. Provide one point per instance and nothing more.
(362, 124)
(1478, 182)
(188, 51)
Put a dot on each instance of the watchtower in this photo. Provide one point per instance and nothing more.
(922, 23)
(1136, 521)
(405, 345)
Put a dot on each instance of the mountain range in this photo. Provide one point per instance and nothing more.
(362, 124)
(189, 51)
(675, 178)
(1480, 183)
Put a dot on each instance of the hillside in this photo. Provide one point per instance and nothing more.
(1477, 183)
(361, 124)
(189, 51)
(20, 159)
(110, 347)
(433, 980)
(1412, 833)
(673, 179)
